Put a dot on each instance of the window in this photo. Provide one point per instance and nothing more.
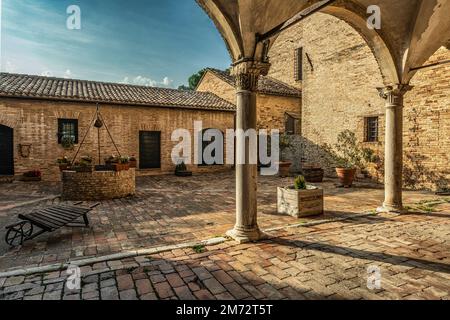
(371, 124)
(298, 65)
(291, 124)
(68, 129)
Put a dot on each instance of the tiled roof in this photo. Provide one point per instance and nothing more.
(37, 87)
(266, 84)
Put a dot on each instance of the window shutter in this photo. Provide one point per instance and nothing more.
(298, 65)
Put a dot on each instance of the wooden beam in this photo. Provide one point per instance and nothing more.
(430, 65)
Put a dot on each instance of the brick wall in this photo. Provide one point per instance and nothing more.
(271, 109)
(35, 123)
(80, 186)
(339, 91)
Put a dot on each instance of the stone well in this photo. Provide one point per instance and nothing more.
(98, 185)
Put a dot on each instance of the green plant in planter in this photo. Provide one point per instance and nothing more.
(67, 142)
(348, 154)
(63, 161)
(86, 161)
(300, 183)
(123, 160)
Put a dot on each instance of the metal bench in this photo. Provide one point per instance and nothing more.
(47, 220)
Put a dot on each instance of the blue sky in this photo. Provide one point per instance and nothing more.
(148, 42)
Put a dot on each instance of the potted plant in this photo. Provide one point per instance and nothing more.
(181, 170)
(64, 164)
(349, 157)
(133, 162)
(285, 164)
(34, 175)
(301, 199)
(84, 165)
(67, 142)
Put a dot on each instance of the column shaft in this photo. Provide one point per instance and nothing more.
(393, 178)
(246, 228)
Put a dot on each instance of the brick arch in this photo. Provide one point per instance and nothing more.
(10, 121)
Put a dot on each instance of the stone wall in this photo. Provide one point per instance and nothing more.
(35, 123)
(212, 83)
(96, 186)
(339, 91)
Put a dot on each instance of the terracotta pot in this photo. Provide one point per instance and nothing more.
(285, 168)
(346, 176)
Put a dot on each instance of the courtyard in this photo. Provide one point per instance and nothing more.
(332, 252)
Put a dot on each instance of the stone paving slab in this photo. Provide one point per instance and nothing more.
(167, 210)
(412, 253)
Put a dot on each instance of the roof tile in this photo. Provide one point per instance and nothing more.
(266, 84)
(30, 86)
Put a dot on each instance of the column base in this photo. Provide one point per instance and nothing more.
(389, 208)
(243, 235)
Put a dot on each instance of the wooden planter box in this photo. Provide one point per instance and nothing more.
(120, 166)
(300, 203)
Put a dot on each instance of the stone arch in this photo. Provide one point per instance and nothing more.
(230, 36)
(375, 40)
(355, 17)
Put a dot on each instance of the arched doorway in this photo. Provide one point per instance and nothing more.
(6, 151)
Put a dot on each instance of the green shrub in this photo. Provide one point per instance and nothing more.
(300, 183)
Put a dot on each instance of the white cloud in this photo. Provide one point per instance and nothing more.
(47, 73)
(148, 82)
(67, 74)
(10, 67)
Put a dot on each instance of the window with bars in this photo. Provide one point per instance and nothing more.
(298, 65)
(371, 124)
(68, 130)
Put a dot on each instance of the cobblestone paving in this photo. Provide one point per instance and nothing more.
(166, 210)
(329, 261)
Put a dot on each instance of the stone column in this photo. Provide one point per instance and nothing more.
(246, 229)
(393, 176)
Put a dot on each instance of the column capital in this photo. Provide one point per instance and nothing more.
(247, 73)
(394, 93)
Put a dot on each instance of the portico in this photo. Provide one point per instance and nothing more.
(404, 43)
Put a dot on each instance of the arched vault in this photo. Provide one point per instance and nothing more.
(411, 30)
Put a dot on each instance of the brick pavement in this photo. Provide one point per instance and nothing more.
(167, 210)
(329, 261)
